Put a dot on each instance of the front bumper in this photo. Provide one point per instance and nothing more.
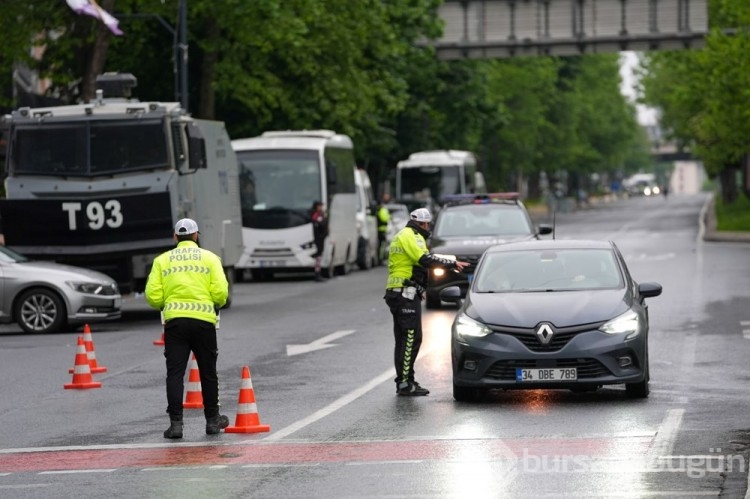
(491, 362)
(89, 308)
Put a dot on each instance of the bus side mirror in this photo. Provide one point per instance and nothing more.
(196, 148)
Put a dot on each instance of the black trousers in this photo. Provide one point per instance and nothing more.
(182, 336)
(407, 331)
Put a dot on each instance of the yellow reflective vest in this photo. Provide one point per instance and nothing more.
(407, 247)
(187, 281)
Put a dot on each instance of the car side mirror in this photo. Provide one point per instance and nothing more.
(451, 294)
(649, 289)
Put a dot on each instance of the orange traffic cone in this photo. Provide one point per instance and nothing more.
(160, 342)
(247, 420)
(82, 371)
(90, 353)
(194, 395)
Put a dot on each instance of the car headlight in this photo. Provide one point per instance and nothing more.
(90, 288)
(467, 328)
(628, 323)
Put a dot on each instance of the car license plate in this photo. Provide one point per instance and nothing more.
(554, 374)
(272, 263)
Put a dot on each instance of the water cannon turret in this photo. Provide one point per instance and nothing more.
(116, 85)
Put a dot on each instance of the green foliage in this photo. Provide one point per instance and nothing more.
(733, 216)
(704, 95)
(354, 67)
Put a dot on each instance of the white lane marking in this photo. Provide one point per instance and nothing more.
(318, 344)
(281, 465)
(666, 435)
(23, 450)
(339, 403)
(66, 472)
(744, 323)
(332, 407)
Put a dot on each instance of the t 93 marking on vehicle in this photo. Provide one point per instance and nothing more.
(97, 214)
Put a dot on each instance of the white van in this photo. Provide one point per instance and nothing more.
(367, 224)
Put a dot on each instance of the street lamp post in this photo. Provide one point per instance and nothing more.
(180, 48)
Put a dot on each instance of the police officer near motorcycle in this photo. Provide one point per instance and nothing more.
(408, 263)
(189, 286)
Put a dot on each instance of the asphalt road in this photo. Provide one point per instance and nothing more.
(320, 357)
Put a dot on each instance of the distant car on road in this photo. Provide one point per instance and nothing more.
(467, 225)
(47, 297)
(551, 314)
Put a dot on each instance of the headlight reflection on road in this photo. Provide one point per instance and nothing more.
(479, 471)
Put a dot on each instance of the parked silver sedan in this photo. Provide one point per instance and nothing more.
(46, 297)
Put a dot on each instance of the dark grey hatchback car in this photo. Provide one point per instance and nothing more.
(551, 314)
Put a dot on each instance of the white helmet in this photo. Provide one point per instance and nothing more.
(421, 215)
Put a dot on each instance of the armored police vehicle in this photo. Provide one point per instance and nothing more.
(101, 185)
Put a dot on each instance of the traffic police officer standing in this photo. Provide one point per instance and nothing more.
(384, 218)
(188, 285)
(408, 261)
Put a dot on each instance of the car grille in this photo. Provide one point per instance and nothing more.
(505, 370)
(528, 336)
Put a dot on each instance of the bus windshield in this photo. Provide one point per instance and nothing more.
(278, 187)
(84, 149)
(435, 181)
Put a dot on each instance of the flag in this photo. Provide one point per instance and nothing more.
(91, 8)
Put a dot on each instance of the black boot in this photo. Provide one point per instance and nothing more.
(319, 277)
(215, 424)
(175, 428)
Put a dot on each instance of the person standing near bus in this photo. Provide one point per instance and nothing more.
(189, 286)
(320, 231)
(408, 261)
(384, 218)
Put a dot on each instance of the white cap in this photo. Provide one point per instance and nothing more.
(421, 215)
(185, 226)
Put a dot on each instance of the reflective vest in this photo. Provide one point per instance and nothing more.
(187, 281)
(384, 216)
(407, 247)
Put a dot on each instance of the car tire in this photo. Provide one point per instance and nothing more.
(40, 311)
(364, 262)
(467, 394)
(433, 302)
(639, 390)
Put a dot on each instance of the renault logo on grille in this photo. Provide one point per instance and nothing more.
(545, 333)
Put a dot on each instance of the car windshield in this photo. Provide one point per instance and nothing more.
(7, 255)
(483, 220)
(548, 270)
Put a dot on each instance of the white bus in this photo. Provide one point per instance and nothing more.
(426, 177)
(281, 174)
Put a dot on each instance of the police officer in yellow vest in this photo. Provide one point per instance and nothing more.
(408, 261)
(383, 218)
(189, 286)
